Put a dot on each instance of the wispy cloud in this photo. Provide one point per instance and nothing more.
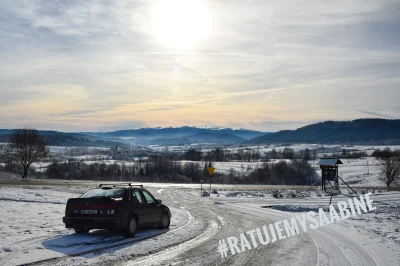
(376, 114)
(267, 65)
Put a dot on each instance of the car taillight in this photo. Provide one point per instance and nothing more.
(75, 206)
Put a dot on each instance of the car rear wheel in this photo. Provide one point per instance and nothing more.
(165, 221)
(132, 227)
(81, 231)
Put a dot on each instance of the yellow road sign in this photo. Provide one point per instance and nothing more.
(211, 170)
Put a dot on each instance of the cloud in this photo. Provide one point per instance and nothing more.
(265, 65)
(377, 114)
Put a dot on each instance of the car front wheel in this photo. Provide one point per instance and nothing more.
(165, 221)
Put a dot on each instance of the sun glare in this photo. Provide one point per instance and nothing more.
(181, 24)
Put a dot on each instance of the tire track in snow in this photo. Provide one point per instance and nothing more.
(173, 252)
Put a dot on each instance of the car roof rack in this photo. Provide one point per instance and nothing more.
(120, 184)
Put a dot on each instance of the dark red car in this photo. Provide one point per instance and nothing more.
(116, 207)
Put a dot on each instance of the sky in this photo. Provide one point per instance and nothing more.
(265, 65)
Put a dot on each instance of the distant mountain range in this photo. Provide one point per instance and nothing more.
(145, 136)
(360, 131)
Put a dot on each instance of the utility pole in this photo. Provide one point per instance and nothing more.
(121, 172)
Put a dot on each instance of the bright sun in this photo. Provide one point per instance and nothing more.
(181, 24)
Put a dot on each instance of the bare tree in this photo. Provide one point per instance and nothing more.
(391, 169)
(25, 147)
(390, 164)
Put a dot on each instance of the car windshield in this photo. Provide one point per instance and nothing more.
(107, 193)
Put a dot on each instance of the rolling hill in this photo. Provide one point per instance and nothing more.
(360, 131)
(144, 136)
(55, 138)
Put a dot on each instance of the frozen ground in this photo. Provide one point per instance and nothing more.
(359, 172)
(32, 228)
(33, 233)
(368, 239)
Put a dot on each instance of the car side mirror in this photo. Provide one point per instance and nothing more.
(158, 201)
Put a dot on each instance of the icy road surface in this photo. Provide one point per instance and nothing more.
(32, 231)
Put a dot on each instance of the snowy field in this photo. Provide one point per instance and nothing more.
(357, 172)
(32, 229)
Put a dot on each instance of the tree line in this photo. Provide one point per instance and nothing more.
(247, 155)
(163, 168)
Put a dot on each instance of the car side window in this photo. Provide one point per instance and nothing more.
(136, 194)
(148, 197)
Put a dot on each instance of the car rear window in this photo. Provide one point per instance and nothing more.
(108, 193)
(136, 194)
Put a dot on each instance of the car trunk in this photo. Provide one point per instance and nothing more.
(92, 207)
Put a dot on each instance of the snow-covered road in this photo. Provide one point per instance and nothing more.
(32, 232)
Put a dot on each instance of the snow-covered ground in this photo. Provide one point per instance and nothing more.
(359, 172)
(238, 167)
(32, 229)
(374, 235)
(29, 216)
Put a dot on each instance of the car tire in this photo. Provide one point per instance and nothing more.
(81, 231)
(131, 228)
(165, 221)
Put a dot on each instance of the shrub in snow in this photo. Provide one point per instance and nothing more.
(275, 194)
(280, 195)
(214, 191)
(293, 194)
(205, 194)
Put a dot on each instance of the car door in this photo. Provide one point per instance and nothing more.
(155, 210)
(141, 207)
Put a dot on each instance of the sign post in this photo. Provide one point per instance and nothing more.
(201, 187)
(211, 171)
